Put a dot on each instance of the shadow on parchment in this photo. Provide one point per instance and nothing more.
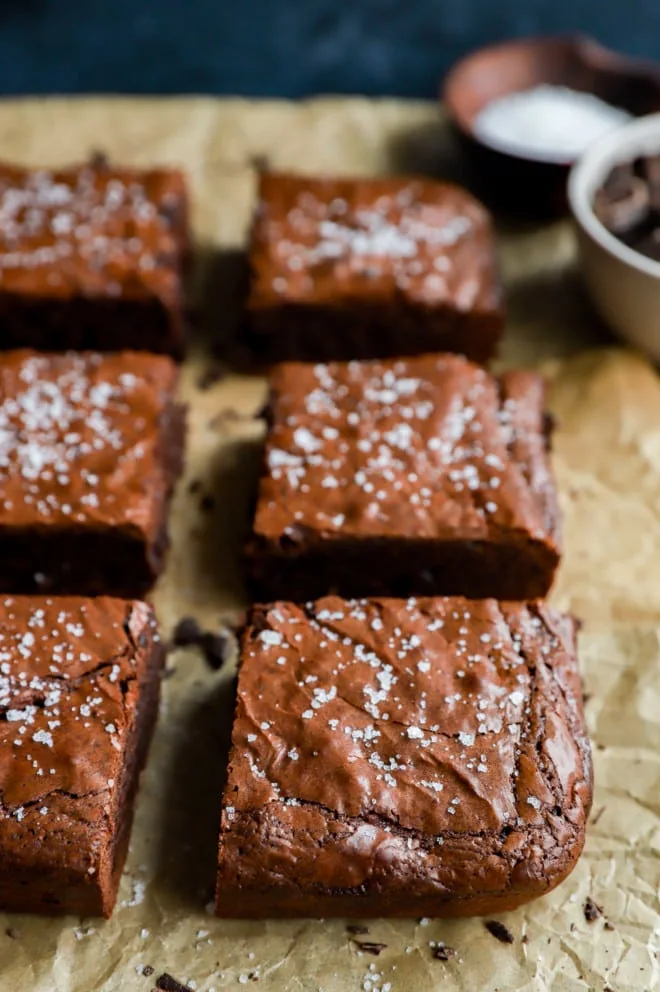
(195, 779)
(227, 489)
(218, 289)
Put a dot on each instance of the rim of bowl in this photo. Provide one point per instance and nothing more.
(641, 136)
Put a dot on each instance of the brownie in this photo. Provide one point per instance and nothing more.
(93, 257)
(79, 687)
(424, 475)
(403, 758)
(370, 268)
(90, 449)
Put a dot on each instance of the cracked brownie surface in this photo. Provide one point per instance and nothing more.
(79, 684)
(421, 475)
(404, 758)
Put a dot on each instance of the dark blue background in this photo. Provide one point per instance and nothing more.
(287, 48)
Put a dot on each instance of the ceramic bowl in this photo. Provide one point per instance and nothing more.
(623, 284)
(526, 184)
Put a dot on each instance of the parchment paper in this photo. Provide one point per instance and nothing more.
(607, 459)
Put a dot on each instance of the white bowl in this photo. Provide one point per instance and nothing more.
(624, 285)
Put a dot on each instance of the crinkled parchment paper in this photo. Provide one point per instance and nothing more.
(607, 459)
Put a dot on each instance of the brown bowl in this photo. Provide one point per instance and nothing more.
(527, 184)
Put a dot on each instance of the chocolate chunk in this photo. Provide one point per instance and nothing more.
(592, 911)
(168, 984)
(499, 931)
(370, 946)
(621, 209)
(186, 632)
(356, 929)
(147, 971)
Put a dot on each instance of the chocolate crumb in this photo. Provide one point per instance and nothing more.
(443, 953)
(186, 632)
(168, 984)
(98, 159)
(499, 931)
(592, 911)
(215, 648)
(211, 375)
(572, 928)
(370, 946)
(524, 939)
(356, 928)
(12, 933)
(147, 971)
(207, 503)
(608, 926)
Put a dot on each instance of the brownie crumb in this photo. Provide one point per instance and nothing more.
(357, 929)
(12, 933)
(98, 159)
(592, 911)
(499, 931)
(608, 926)
(186, 632)
(210, 376)
(443, 953)
(524, 939)
(168, 984)
(370, 946)
(147, 971)
(207, 503)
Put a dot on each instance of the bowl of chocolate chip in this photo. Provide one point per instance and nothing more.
(614, 194)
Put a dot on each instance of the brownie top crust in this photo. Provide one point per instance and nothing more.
(92, 231)
(328, 241)
(433, 716)
(430, 447)
(69, 670)
(80, 439)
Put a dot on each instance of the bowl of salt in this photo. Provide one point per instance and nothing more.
(527, 110)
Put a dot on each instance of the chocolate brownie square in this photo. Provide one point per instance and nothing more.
(403, 758)
(424, 475)
(91, 446)
(79, 687)
(93, 257)
(370, 268)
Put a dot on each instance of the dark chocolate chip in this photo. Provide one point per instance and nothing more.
(443, 953)
(499, 931)
(524, 939)
(370, 946)
(592, 911)
(186, 632)
(147, 971)
(357, 929)
(168, 984)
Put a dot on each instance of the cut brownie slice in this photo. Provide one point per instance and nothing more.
(93, 257)
(423, 475)
(78, 700)
(403, 758)
(90, 449)
(369, 268)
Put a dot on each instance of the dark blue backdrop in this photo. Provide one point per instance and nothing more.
(282, 47)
